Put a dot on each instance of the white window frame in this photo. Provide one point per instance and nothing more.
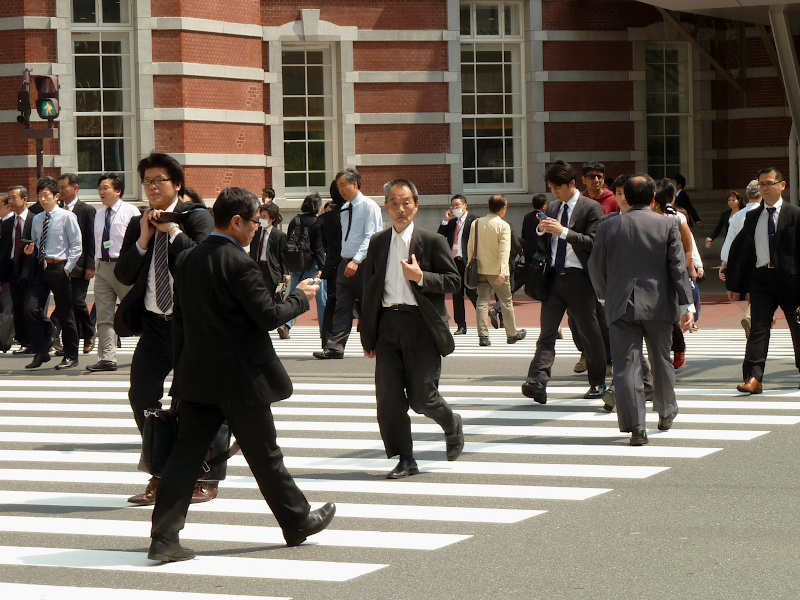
(513, 41)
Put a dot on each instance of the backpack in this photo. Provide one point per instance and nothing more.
(299, 257)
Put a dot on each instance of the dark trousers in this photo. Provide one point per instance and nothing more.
(17, 289)
(601, 321)
(571, 291)
(768, 291)
(407, 370)
(80, 310)
(6, 304)
(151, 363)
(254, 429)
(349, 291)
(330, 309)
(678, 341)
(459, 315)
(51, 278)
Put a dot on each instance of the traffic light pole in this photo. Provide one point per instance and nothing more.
(24, 106)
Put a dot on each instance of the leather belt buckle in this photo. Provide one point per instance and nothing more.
(769, 265)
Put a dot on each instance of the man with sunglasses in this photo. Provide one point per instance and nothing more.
(146, 261)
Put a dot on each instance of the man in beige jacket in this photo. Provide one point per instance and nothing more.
(494, 248)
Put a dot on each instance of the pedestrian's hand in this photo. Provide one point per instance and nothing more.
(708, 242)
(350, 269)
(28, 249)
(733, 296)
(369, 353)
(500, 279)
(411, 269)
(687, 320)
(308, 288)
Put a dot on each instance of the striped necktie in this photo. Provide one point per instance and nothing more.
(161, 269)
(43, 239)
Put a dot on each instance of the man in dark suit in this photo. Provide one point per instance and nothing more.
(566, 237)
(150, 247)
(83, 272)
(456, 227)
(683, 201)
(235, 311)
(269, 247)
(764, 260)
(407, 272)
(638, 268)
(332, 243)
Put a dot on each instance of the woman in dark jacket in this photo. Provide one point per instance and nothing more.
(735, 204)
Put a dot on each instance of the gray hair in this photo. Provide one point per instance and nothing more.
(752, 191)
(387, 188)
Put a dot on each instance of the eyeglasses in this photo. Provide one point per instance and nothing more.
(594, 176)
(156, 182)
(768, 184)
(254, 221)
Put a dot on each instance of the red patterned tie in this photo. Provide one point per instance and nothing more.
(455, 237)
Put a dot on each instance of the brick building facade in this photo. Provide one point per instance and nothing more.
(461, 96)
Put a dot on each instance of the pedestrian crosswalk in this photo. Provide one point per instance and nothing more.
(69, 451)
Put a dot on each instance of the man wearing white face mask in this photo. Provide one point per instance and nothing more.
(456, 227)
(268, 248)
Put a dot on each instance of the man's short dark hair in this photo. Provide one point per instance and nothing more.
(166, 162)
(593, 165)
(387, 188)
(619, 182)
(116, 180)
(274, 212)
(560, 173)
(268, 191)
(608, 181)
(497, 202)
(640, 189)
(351, 175)
(72, 178)
(234, 201)
(23, 191)
(459, 197)
(680, 180)
(539, 201)
(47, 183)
(770, 169)
(311, 204)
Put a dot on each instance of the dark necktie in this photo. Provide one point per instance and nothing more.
(561, 248)
(349, 209)
(106, 236)
(261, 245)
(161, 268)
(771, 233)
(43, 239)
(18, 238)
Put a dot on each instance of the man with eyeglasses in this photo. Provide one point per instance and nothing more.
(149, 250)
(764, 260)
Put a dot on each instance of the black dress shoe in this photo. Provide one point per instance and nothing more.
(493, 318)
(327, 353)
(609, 400)
(67, 363)
(595, 392)
(638, 436)
(520, 335)
(537, 391)
(455, 441)
(23, 350)
(102, 365)
(664, 423)
(60, 352)
(316, 521)
(164, 551)
(484, 341)
(404, 468)
(461, 331)
(38, 361)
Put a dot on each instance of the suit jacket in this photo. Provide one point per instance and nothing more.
(440, 277)
(235, 311)
(449, 232)
(494, 245)
(639, 254)
(683, 201)
(742, 255)
(331, 227)
(582, 226)
(530, 239)
(14, 270)
(274, 269)
(132, 268)
(85, 214)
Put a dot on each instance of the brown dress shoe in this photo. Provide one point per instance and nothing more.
(88, 344)
(751, 386)
(203, 493)
(148, 496)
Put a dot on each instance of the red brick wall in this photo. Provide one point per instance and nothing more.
(571, 56)
(596, 15)
(13, 145)
(206, 48)
(429, 179)
(400, 97)
(400, 56)
(204, 138)
(24, 177)
(577, 137)
(28, 8)
(210, 181)
(751, 133)
(364, 14)
(207, 92)
(232, 11)
(34, 45)
(402, 139)
(600, 95)
(737, 173)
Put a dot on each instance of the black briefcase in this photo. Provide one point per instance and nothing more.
(537, 279)
(6, 331)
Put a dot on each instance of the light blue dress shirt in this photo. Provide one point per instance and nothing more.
(64, 240)
(366, 221)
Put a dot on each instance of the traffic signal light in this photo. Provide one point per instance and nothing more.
(24, 108)
(47, 102)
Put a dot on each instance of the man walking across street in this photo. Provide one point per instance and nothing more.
(456, 227)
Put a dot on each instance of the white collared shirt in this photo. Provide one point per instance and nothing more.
(23, 218)
(572, 258)
(396, 288)
(71, 206)
(762, 237)
(734, 227)
(150, 293)
(122, 213)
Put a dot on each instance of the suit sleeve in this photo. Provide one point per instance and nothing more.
(598, 264)
(505, 248)
(196, 225)
(368, 326)
(87, 231)
(442, 276)
(282, 247)
(585, 240)
(723, 220)
(130, 261)
(677, 265)
(315, 234)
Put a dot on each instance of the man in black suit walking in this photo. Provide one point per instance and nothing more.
(764, 260)
(407, 272)
(146, 261)
(456, 227)
(235, 311)
(269, 247)
(566, 237)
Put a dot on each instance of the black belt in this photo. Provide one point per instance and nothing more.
(402, 308)
(159, 316)
(769, 265)
(569, 270)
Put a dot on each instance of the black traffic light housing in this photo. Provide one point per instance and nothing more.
(24, 108)
(47, 102)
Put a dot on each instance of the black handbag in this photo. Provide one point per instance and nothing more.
(471, 272)
(537, 279)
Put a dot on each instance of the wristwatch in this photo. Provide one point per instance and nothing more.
(171, 227)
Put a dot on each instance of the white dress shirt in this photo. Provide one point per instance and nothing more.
(762, 237)
(265, 235)
(397, 289)
(150, 292)
(734, 227)
(123, 212)
(572, 259)
(457, 238)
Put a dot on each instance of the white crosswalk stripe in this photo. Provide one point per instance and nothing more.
(69, 450)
